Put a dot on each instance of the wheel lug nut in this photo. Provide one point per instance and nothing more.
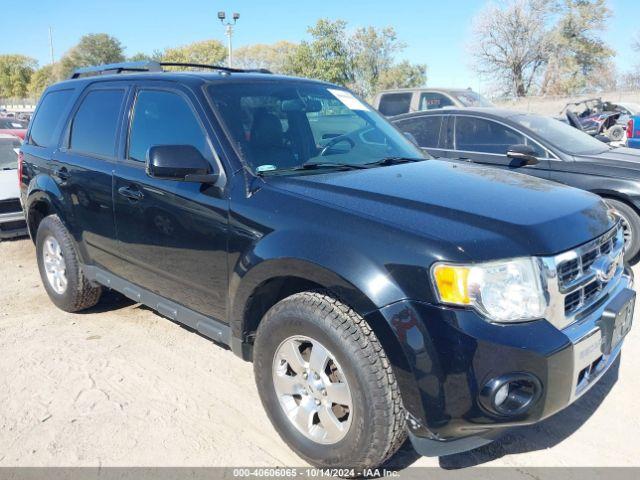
(317, 402)
(324, 392)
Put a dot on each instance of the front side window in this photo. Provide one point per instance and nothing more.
(164, 118)
(426, 130)
(433, 100)
(395, 103)
(50, 115)
(277, 127)
(485, 136)
(94, 128)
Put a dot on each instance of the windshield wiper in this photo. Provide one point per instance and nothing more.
(314, 166)
(387, 161)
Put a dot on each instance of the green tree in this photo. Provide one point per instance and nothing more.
(372, 55)
(15, 74)
(93, 49)
(325, 57)
(41, 79)
(209, 52)
(578, 56)
(272, 57)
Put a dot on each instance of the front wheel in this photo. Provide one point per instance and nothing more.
(630, 227)
(327, 384)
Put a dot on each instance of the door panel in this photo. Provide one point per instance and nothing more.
(172, 235)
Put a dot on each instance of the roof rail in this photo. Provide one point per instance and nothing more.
(152, 66)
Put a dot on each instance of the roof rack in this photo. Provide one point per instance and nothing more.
(152, 66)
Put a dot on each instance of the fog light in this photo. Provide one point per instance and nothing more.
(511, 394)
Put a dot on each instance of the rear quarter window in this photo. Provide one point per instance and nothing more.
(395, 103)
(49, 117)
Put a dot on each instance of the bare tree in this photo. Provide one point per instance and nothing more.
(510, 42)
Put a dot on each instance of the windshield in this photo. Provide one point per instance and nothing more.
(568, 139)
(8, 155)
(281, 126)
(470, 98)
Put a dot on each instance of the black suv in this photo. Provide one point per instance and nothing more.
(377, 292)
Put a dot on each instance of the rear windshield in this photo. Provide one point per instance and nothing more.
(8, 154)
(282, 125)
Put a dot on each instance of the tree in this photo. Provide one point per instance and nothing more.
(15, 74)
(209, 52)
(93, 49)
(510, 42)
(579, 58)
(41, 79)
(325, 57)
(272, 57)
(372, 54)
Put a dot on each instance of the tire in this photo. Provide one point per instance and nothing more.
(376, 418)
(616, 133)
(631, 224)
(54, 245)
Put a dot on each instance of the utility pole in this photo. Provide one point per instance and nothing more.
(51, 45)
(228, 32)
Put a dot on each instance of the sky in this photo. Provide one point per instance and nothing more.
(436, 32)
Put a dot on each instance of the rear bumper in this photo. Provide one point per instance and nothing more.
(12, 224)
(452, 354)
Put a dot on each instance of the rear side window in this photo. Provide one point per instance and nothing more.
(94, 127)
(164, 118)
(433, 100)
(426, 130)
(395, 103)
(484, 136)
(50, 115)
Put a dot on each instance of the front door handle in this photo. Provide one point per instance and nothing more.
(131, 193)
(62, 173)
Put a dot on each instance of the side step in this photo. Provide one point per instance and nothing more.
(207, 326)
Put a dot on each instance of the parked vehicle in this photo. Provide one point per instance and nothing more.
(12, 222)
(14, 127)
(633, 132)
(405, 100)
(595, 117)
(378, 294)
(538, 146)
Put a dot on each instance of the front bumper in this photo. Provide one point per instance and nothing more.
(448, 355)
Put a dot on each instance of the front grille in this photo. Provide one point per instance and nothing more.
(582, 289)
(11, 205)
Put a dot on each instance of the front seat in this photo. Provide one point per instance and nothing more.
(267, 142)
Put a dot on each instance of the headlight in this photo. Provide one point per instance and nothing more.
(504, 291)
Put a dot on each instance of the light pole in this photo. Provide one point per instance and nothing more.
(228, 31)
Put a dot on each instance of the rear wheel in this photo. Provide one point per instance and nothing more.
(60, 268)
(327, 384)
(616, 133)
(630, 227)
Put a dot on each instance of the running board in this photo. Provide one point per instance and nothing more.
(207, 326)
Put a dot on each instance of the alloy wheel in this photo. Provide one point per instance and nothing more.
(54, 265)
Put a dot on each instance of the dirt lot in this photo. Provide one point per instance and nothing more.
(122, 386)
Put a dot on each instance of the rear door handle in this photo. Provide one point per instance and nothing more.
(62, 173)
(131, 193)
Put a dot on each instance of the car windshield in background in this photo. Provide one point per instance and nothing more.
(285, 127)
(8, 155)
(568, 139)
(12, 124)
(472, 99)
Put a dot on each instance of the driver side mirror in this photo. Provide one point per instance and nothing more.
(179, 162)
(523, 154)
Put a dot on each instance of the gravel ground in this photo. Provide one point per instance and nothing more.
(121, 386)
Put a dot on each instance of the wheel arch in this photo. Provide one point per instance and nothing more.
(43, 198)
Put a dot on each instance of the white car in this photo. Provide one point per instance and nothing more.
(12, 223)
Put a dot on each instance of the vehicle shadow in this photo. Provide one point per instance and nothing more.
(540, 436)
(109, 301)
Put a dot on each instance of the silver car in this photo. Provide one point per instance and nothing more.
(12, 223)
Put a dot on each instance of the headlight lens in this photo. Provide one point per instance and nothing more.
(505, 291)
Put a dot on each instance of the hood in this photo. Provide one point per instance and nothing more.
(483, 212)
(617, 157)
(9, 184)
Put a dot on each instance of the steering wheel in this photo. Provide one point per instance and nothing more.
(335, 141)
